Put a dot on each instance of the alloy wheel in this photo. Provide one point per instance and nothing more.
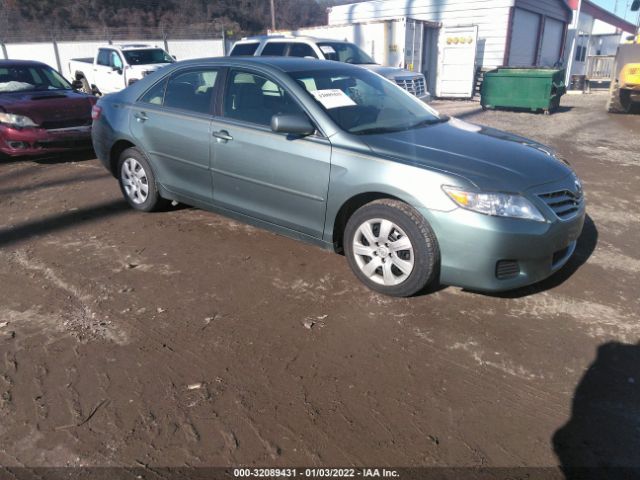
(383, 252)
(135, 181)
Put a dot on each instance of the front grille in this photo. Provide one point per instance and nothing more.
(415, 86)
(69, 123)
(507, 269)
(564, 203)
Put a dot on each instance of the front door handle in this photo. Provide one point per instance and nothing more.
(140, 117)
(222, 136)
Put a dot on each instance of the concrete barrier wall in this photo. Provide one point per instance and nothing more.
(185, 49)
(42, 52)
(45, 51)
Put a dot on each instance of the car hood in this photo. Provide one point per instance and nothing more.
(489, 158)
(390, 72)
(48, 106)
(150, 67)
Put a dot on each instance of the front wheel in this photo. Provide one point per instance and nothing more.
(137, 181)
(391, 248)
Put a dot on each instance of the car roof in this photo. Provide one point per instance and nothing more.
(129, 46)
(22, 63)
(284, 64)
(302, 38)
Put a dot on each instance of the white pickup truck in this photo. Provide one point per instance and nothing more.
(116, 67)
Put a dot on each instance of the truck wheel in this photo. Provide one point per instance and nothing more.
(86, 88)
(138, 183)
(391, 248)
(620, 100)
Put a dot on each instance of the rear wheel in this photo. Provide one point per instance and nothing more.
(138, 183)
(391, 248)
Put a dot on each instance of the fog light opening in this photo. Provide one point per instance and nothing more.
(18, 145)
(507, 269)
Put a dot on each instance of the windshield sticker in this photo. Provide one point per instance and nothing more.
(333, 98)
(328, 49)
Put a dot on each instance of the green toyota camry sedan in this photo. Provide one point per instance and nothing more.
(337, 155)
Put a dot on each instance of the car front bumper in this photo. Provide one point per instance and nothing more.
(36, 141)
(473, 247)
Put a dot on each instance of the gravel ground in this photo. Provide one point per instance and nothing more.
(186, 339)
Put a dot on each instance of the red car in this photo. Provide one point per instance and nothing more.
(40, 112)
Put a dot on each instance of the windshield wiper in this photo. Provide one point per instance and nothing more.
(401, 128)
(429, 121)
(372, 131)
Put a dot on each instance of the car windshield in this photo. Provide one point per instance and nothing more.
(21, 78)
(345, 52)
(147, 56)
(364, 103)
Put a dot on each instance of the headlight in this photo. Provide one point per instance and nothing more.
(19, 121)
(497, 204)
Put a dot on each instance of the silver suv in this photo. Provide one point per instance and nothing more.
(327, 49)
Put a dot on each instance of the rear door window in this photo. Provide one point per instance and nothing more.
(244, 49)
(274, 49)
(301, 50)
(192, 91)
(155, 95)
(103, 57)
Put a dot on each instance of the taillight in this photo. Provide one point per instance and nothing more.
(95, 112)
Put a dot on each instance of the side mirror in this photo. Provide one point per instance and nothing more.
(76, 84)
(174, 57)
(294, 123)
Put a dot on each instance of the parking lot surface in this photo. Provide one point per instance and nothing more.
(185, 338)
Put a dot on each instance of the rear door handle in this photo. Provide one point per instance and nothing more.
(222, 136)
(140, 117)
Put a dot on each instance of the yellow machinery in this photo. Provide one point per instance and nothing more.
(625, 84)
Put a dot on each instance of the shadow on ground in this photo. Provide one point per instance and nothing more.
(61, 221)
(601, 440)
(54, 158)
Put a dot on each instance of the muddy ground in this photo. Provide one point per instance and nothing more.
(181, 338)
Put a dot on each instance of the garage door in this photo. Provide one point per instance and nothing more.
(524, 38)
(551, 42)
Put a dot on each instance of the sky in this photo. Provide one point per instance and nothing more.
(623, 8)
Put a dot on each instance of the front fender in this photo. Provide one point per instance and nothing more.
(355, 174)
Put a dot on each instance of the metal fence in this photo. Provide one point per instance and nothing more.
(600, 67)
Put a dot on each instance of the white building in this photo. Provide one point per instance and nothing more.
(510, 32)
(597, 33)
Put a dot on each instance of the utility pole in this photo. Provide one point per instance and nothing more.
(273, 16)
(572, 50)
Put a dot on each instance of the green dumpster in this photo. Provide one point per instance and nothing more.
(531, 88)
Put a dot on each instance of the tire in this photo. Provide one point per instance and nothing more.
(86, 88)
(394, 271)
(138, 183)
(619, 101)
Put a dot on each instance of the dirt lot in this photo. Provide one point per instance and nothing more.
(181, 338)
